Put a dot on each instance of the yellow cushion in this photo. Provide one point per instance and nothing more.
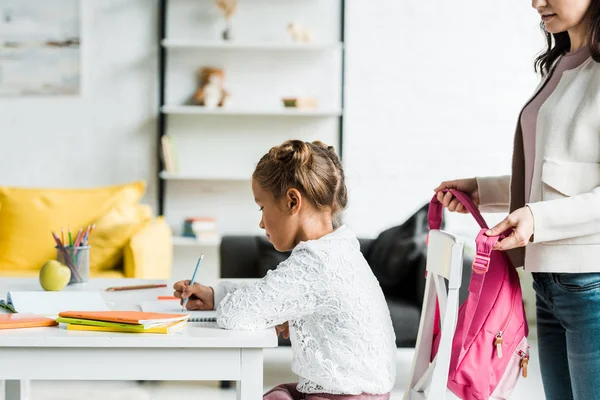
(112, 232)
(149, 253)
(28, 215)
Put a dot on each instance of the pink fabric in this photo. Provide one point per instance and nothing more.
(288, 391)
(530, 112)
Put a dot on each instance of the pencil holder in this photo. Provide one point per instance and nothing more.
(78, 261)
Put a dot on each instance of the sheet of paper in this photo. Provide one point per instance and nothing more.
(174, 307)
(52, 303)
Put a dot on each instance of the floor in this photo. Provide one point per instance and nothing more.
(276, 371)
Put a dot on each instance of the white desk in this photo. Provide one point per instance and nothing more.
(199, 352)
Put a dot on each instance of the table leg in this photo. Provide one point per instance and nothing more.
(17, 390)
(250, 385)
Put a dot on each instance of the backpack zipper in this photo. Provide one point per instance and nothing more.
(524, 362)
(498, 339)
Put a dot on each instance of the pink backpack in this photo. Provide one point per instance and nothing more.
(489, 347)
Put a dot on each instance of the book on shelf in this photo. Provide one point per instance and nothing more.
(169, 155)
(201, 228)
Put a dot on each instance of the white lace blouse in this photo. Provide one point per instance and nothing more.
(340, 326)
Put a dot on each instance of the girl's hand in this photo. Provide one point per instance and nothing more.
(200, 297)
(283, 329)
(522, 224)
(468, 186)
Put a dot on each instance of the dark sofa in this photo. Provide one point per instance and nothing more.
(397, 257)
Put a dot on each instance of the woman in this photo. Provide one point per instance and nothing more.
(553, 196)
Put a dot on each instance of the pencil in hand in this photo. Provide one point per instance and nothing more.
(192, 281)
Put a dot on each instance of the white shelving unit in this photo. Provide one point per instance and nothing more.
(236, 45)
(217, 149)
(283, 112)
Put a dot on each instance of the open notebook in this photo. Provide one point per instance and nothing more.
(51, 303)
(173, 306)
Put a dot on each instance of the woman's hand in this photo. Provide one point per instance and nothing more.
(283, 329)
(468, 186)
(522, 224)
(200, 297)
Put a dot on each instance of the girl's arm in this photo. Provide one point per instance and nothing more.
(223, 288)
(289, 292)
(494, 193)
(566, 218)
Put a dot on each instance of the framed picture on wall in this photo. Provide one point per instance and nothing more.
(39, 47)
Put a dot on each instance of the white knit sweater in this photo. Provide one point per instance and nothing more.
(340, 326)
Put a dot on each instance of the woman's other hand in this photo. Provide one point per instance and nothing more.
(522, 225)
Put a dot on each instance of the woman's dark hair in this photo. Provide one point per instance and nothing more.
(559, 43)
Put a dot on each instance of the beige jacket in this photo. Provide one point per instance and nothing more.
(565, 192)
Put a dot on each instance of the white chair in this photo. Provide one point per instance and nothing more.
(428, 380)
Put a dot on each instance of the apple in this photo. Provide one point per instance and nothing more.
(54, 275)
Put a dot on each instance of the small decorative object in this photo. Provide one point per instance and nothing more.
(299, 33)
(228, 7)
(211, 93)
(300, 102)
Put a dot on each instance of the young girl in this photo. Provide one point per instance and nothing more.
(324, 296)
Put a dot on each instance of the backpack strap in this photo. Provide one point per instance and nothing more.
(483, 252)
(436, 210)
(484, 245)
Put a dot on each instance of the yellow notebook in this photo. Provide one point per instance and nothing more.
(133, 329)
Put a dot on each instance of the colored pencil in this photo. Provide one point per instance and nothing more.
(66, 257)
(136, 287)
(192, 281)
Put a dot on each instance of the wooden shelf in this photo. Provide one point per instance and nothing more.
(176, 176)
(183, 241)
(235, 45)
(282, 112)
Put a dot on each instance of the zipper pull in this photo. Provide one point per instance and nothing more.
(498, 344)
(524, 362)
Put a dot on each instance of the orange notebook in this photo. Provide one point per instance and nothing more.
(14, 321)
(127, 317)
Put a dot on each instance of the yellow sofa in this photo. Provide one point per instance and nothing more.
(127, 241)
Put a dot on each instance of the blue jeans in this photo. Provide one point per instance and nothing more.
(568, 324)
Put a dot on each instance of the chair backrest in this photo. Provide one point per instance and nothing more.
(428, 379)
(439, 255)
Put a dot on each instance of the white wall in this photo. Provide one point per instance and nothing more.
(107, 134)
(433, 93)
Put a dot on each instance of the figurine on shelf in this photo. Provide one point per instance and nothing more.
(211, 93)
(228, 7)
(299, 33)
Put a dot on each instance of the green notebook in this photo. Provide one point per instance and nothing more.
(77, 321)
